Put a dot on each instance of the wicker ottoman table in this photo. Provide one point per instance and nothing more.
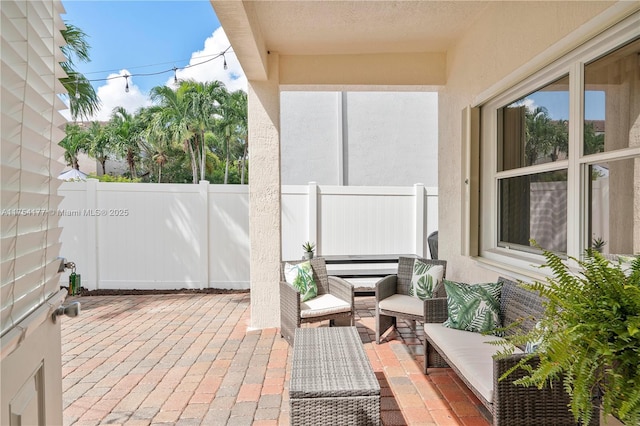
(332, 382)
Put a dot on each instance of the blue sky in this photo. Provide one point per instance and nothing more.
(132, 37)
(557, 103)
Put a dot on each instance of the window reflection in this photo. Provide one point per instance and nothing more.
(535, 128)
(612, 101)
(534, 207)
(613, 226)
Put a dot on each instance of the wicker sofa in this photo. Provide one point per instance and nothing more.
(469, 355)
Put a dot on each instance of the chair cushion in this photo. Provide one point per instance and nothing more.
(404, 304)
(473, 307)
(425, 279)
(300, 276)
(470, 353)
(325, 304)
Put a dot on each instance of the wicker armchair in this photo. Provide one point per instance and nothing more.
(334, 301)
(404, 306)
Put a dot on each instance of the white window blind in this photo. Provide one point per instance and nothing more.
(30, 132)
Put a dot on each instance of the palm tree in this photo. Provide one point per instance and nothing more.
(99, 144)
(154, 141)
(83, 100)
(123, 136)
(177, 119)
(74, 142)
(240, 107)
(545, 137)
(593, 143)
(559, 138)
(232, 126)
(537, 134)
(205, 100)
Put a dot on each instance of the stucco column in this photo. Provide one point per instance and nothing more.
(264, 198)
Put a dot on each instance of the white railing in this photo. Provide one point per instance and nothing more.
(172, 236)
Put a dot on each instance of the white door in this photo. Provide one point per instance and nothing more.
(31, 374)
(30, 347)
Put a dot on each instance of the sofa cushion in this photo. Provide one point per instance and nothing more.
(404, 304)
(325, 304)
(473, 307)
(300, 276)
(425, 279)
(470, 353)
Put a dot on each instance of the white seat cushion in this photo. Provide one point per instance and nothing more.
(470, 353)
(404, 304)
(323, 305)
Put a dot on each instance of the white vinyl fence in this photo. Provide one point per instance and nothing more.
(173, 236)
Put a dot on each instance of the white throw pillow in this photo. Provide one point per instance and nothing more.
(300, 276)
(425, 279)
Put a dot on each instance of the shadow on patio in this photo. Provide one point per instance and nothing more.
(189, 360)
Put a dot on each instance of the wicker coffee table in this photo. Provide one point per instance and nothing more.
(332, 382)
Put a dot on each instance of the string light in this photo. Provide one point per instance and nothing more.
(174, 69)
(77, 92)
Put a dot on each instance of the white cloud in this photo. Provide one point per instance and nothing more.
(233, 77)
(113, 94)
(529, 103)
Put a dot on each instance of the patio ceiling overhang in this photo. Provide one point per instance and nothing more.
(340, 43)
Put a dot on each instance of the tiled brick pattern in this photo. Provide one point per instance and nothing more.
(179, 359)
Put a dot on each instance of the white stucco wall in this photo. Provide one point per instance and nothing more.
(505, 37)
(359, 138)
(309, 139)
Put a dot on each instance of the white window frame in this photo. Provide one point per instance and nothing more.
(518, 262)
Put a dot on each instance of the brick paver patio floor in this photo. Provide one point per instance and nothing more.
(190, 359)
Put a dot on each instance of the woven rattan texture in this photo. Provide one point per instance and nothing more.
(332, 381)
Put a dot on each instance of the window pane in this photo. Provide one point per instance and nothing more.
(614, 194)
(535, 128)
(612, 101)
(534, 207)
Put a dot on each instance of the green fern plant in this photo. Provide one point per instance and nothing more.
(590, 334)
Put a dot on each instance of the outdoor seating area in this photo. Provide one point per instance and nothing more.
(192, 359)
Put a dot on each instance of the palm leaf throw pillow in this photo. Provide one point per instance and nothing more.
(425, 279)
(473, 307)
(300, 276)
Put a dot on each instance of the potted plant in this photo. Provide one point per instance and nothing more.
(589, 335)
(598, 244)
(308, 248)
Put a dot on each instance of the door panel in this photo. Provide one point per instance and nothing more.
(28, 405)
(31, 390)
